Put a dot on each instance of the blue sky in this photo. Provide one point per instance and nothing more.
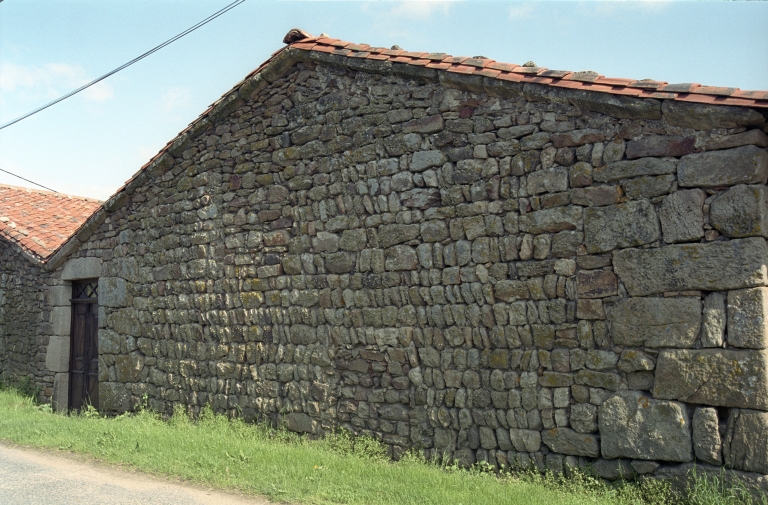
(91, 143)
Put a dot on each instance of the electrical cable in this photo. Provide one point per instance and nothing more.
(23, 179)
(121, 67)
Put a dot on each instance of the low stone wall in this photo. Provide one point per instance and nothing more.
(504, 273)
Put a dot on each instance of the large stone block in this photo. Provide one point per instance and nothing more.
(568, 441)
(717, 377)
(125, 322)
(706, 436)
(552, 220)
(60, 398)
(701, 116)
(626, 225)
(660, 145)
(61, 321)
(113, 292)
(57, 354)
(713, 321)
(742, 211)
(298, 422)
(113, 397)
(656, 322)
(746, 441)
(525, 440)
(633, 168)
(682, 216)
(59, 296)
(741, 165)
(634, 425)
(81, 268)
(401, 257)
(748, 318)
(551, 180)
(128, 367)
(715, 266)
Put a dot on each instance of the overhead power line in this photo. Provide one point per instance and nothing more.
(23, 179)
(121, 67)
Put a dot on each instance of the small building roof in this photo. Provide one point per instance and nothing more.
(41, 221)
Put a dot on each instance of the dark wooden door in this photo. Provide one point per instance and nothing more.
(84, 354)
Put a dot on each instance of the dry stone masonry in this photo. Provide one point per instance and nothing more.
(486, 270)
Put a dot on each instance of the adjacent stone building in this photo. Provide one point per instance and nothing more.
(484, 260)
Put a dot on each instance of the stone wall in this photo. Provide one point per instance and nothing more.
(24, 322)
(497, 272)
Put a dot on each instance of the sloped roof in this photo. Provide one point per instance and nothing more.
(41, 221)
(485, 67)
(302, 46)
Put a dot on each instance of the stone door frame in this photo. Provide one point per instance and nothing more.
(57, 358)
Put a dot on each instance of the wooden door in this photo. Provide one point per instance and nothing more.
(84, 354)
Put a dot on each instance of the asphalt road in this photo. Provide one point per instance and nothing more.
(30, 477)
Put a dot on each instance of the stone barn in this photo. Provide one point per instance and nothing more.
(484, 260)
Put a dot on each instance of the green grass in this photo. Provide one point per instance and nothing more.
(229, 454)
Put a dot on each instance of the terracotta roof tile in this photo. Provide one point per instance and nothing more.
(587, 80)
(41, 221)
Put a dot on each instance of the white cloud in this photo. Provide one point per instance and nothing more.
(176, 97)
(420, 9)
(522, 11)
(50, 80)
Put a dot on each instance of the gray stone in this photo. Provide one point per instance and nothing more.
(351, 240)
(401, 257)
(716, 266)
(577, 138)
(125, 322)
(109, 342)
(660, 145)
(298, 422)
(525, 440)
(633, 168)
(596, 196)
(708, 116)
(515, 132)
(340, 262)
(113, 397)
(59, 296)
(434, 231)
(617, 226)
(634, 425)
(748, 318)
(60, 397)
(601, 360)
(648, 187)
(325, 242)
(746, 441)
(487, 438)
(716, 377)
(57, 354)
(613, 469)
(392, 234)
(113, 292)
(619, 106)
(584, 417)
(741, 165)
(128, 367)
(632, 360)
(713, 321)
(551, 180)
(568, 441)
(552, 220)
(81, 268)
(596, 283)
(742, 211)
(509, 291)
(610, 381)
(656, 322)
(706, 436)
(644, 467)
(423, 160)
(402, 181)
(682, 216)
(755, 137)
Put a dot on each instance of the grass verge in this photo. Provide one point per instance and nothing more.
(229, 454)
